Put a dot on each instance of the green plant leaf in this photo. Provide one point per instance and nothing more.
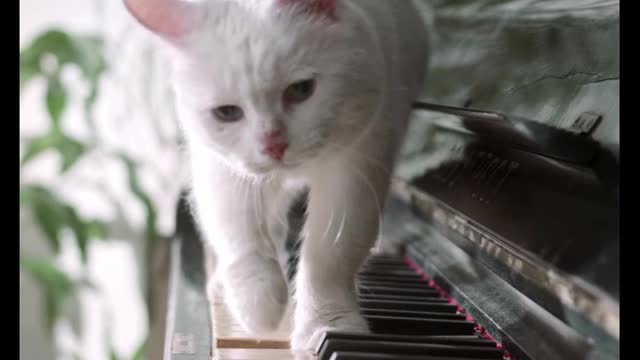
(97, 229)
(93, 66)
(54, 42)
(71, 150)
(86, 52)
(55, 283)
(48, 212)
(90, 55)
(113, 355)
(51, 221)
(28, 71)
(79, 230)
(88, 284)
(37, 145)
(56, 100)
(141, 195)
(58, 287)
(46, 273)
(52, 215)
(139, 354)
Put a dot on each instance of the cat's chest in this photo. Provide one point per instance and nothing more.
(295, 183)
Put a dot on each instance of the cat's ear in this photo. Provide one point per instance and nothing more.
(327, 8)
(171, 19)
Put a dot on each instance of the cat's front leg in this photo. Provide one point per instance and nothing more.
(232, 214)
(343, 220)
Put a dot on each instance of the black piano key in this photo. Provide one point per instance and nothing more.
(470, 340)
(416, 280)
(398, 272)
(417, 284)
(416, 326)
(409, 319)
(345, 355)
(412, 314)
(398, 280)
(389, 270)
(365, 296)
(409, 305)
(385, 257)
(369, 266)
(390, 261)
(382, 290)
(390, 266)
(386, 260)
(396, 348)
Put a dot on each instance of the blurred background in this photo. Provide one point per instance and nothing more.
(101, 170)
(99, 180)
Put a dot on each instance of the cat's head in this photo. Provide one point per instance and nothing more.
(258, 82)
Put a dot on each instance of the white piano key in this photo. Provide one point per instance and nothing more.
(228, 333)
(252, 354)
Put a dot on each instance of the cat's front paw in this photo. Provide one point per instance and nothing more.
(256, 293)
(308, 330)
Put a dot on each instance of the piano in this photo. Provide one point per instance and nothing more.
(502, 249)
(500, 238)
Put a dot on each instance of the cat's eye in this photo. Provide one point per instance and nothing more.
(228, 113)
(299, 92)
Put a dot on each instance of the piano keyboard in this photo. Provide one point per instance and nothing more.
(410, 318)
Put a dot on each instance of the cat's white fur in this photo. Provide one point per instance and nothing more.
(369, 64)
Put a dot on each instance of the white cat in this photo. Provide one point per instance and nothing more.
(278, 95)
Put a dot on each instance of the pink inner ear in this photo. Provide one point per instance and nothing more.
(172, 18)
(320, 7)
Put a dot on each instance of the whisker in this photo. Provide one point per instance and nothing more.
(371, 160)
(344, 217)
(373, 192)
(330, 224)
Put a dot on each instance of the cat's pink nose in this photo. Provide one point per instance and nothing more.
(274, 144)
(276, 151)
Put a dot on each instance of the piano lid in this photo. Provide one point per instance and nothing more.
(536, 209)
